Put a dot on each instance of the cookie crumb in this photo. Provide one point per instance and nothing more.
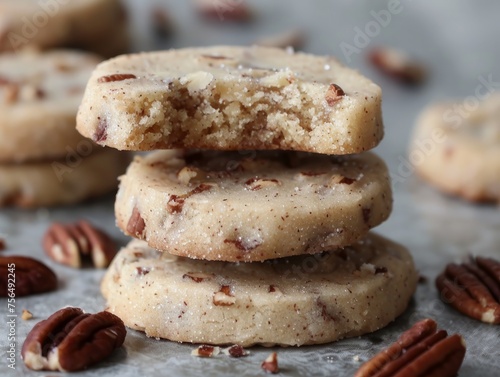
(270, 365)
(236, 351)
(27, 315)
(205, 351)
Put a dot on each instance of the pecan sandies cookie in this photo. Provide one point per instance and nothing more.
(252, 206)
(231, 98)
(291, 301)
(456, 147)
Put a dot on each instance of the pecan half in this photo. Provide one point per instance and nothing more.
(473, 288)
(71, 340)
(270, 365)
(423, 350)
(398, 65)
(30, 277)
(73, 244)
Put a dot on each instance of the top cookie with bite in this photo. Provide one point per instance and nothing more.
(229, 98)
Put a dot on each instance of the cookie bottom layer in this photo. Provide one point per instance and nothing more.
(310, 299)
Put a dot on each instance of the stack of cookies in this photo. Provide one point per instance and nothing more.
(44, 161)
(255, 230)
(99, 26)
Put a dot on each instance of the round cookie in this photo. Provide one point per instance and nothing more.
(290, 302)
(66, 181)
(56, 24)
(231, 98)
(39, 98)
(460, 154)
(251, 206)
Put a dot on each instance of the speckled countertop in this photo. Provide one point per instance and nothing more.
(458, 40)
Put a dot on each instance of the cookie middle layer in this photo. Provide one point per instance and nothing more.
(252, 206)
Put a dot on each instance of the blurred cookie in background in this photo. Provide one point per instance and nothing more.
(68, 180)
(456, 147)
(43, 159)
(84, 24)
(39, 98)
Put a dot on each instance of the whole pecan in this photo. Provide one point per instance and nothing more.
(423, 350)
(71, 340)
(473, 288)
(24, 276)
(73, 244)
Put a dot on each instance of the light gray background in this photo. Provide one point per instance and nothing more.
(459, 42)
